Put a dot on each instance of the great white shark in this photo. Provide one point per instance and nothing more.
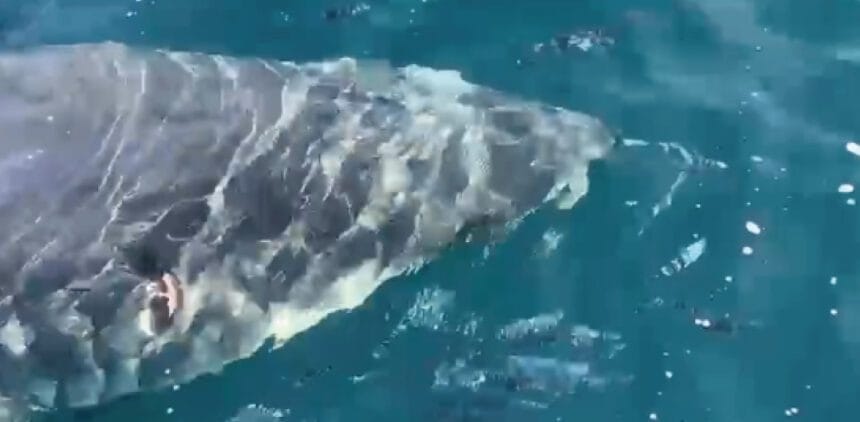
(163, 213)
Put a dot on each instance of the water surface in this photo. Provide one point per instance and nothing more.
(737, 301)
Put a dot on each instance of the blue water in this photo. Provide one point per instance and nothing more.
(770, 87)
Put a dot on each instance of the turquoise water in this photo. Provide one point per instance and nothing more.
(769, 87)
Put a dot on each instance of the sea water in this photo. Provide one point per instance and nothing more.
(671, 292)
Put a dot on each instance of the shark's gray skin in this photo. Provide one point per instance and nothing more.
(276, 193)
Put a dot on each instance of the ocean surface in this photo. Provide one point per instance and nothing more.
(719, 287)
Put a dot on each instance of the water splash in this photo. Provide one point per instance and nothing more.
(534, 326)
(689, 162)
(686, 257)
(458, 375)
(428, 310)
(549, 242)
(259, 413)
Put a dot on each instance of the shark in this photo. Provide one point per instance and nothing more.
(164, 213)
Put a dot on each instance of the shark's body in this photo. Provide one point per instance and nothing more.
(272, 193)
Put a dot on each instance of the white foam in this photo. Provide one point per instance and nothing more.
(550, 241)
(747, 250)
(753, 228)
(853, 148)
(15, 337)
(666, 201)
(438, 82)
(693, 252)
(538, 324)
(428, 310)
(845, 188)
(634, 142)
(395, 175)
(259, 413)
(437, 90)
(686, 257)
(347, 292)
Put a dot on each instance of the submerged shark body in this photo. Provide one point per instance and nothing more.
(165, 213)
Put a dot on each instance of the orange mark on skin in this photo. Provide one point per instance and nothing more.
(170, 288)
